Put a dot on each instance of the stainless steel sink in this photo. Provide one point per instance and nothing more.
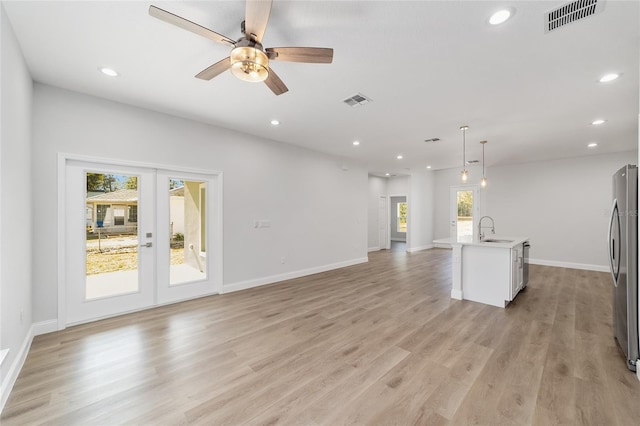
(493, 240)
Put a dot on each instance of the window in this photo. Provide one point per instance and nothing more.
(402, 217)
(133, 214)
(101, 212)
(118, 215)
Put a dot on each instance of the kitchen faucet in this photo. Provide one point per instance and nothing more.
(493, 228)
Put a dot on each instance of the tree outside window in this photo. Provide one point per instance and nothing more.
(402, 217)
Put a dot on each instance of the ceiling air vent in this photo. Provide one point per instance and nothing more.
(432, 140)
(572, 12)
(357, 100)
(472, 162)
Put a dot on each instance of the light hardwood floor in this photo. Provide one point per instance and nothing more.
(378, 343)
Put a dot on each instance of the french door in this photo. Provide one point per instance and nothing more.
(136, 237)
(464, 210)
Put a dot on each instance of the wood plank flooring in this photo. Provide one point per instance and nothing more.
(379, 343)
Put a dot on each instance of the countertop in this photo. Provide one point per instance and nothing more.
(468, 241)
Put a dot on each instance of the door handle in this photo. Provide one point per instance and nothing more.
(146, 245)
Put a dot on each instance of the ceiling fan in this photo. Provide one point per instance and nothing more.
(248, 60)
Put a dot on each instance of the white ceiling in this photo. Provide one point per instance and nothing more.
(429, 68)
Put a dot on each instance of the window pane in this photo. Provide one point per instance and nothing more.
(465, 214)
(188, 230)
(111, 243)
(402, 217)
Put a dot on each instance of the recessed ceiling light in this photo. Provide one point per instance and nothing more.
(399, 157)
(356, 143)
(108, 71)
(275, 122)
(608, 77)
(598, 122)
(500, 16)
(387, 174)
(428, 167)
(592, 145)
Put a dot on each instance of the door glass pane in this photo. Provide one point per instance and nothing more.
(187, 230)
(465, 215)
(112, 235)
(402, 217)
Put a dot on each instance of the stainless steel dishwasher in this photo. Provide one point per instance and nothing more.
(525, 263)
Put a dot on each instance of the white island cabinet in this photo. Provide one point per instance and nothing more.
(489, 271)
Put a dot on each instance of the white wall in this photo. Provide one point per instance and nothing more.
(318, 211)
(398, 185)
(421, 210)
(377, 188)
(15, 205)
(562, 205)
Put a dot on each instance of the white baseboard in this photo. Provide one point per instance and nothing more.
(44, 327)
(413, 249)
(570, 265)
(243, 285)
(456, 294)
(14, 370)
(370, 249)
(442, 245)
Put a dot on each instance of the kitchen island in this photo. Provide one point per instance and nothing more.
(490, 271)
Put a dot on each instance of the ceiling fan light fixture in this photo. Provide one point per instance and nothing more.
(249, 63)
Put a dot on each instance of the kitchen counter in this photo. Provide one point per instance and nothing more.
(488, 271)
(509, 241)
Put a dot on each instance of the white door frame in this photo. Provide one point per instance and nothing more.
(216, 226)
(453, 221)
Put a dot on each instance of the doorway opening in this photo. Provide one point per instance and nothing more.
(398, 218)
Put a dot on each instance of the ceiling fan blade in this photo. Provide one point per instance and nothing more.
(215, 69)
(185, 24)
(275, 84)
(313, 55)
(256, 18)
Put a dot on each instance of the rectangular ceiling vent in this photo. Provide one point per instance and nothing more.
(432, 140)
(572, 12)
(473, 161)
(357, 100)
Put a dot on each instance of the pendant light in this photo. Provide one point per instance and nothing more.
(483, 182)
(465, 174)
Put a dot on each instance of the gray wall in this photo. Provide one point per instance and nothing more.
(15, 202)
(562, 205)
(296, 189)
(421, 210)
(377, 188)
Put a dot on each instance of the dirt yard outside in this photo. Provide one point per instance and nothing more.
(119, 253)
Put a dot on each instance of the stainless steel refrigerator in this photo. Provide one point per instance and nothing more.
(623, 260)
